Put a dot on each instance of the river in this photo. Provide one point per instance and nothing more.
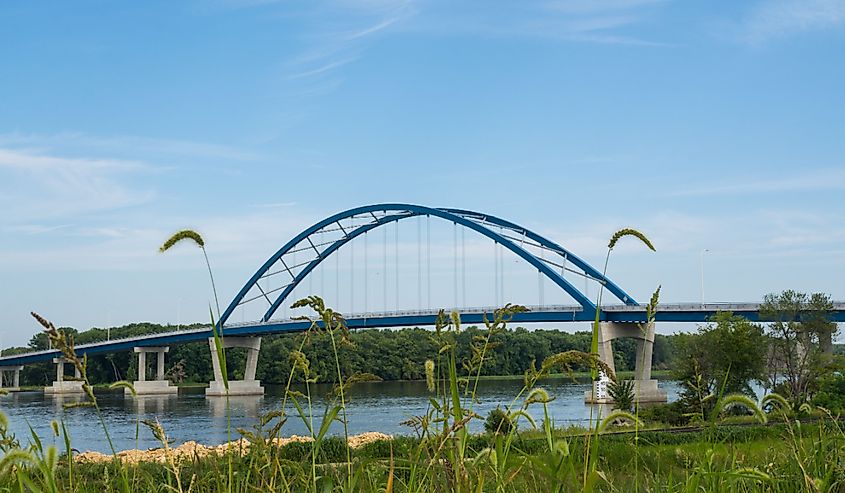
(190, 415)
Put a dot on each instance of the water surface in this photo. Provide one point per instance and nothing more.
(191, 415)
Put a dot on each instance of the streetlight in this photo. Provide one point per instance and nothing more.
(702, 275)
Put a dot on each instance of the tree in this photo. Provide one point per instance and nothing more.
(801, 333)
(722, 357)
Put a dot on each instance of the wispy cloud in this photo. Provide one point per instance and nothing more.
(328, 67)
(34, 229)
(374, 29)
(830, 179)
(126, 144)
(772, 19)
(582, 21)
(38, 185)
(337, 33)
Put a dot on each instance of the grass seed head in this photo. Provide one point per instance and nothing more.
(185, 234)
(629, 232)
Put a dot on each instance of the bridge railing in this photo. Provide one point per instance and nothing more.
(416, 313)
(112, 341)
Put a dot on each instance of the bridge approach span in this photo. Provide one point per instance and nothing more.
(680, 312)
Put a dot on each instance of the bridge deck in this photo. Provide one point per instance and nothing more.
(680, 312)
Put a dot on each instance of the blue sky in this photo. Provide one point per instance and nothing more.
(708, 125)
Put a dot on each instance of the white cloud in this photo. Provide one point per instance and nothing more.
(779, 18)
(825, 179)
(37, 185)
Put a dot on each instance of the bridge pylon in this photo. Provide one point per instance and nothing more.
(249, 385)
(10, 378)
(62, 386)
(151, 387)
(646, 389)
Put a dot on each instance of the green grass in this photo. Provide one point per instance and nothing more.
(443, 456)
(727, 458)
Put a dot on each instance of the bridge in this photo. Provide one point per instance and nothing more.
(300, 257)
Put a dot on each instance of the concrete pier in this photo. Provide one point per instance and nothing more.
(645, 388)
(10, 378)
(62, 386)
(249, 385)
(152, 387)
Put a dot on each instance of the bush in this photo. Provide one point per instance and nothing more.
(670, 414)
(831, 394)
(622, 393)
(498, 422)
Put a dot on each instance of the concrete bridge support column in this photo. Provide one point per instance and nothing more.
(60, 386)
(249, 385)
(10, 378)
(151, 387)
(645, 388)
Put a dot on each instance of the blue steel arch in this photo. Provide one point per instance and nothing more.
(403, 211)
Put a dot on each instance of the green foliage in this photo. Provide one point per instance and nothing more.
(619, 416)
(739, 400)
(722, 357)
(800, 332)
(671, 414)
(831, 393)
(497, 421)
(622, 393)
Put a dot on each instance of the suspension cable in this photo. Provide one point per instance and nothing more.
(455, 264)
(366, 271)
(495, 273)
(428, 258)
(419, 261)
(384, 271)
(463, 268)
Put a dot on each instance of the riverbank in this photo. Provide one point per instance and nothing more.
(779, 457)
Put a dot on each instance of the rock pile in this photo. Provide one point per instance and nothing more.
(192, 450)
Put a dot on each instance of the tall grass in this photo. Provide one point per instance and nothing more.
(529, 455)
(517, 454)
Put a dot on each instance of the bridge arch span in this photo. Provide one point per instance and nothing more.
(510, 235)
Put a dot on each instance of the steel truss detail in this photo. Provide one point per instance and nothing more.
(327, 236)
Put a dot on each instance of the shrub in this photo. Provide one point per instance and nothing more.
(498, 422)
(622, 393)
(831, 394)
(671, 414)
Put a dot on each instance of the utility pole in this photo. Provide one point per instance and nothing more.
(702, 275)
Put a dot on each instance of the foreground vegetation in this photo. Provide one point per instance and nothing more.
(787, 457)
(518, 453)
(618, 451)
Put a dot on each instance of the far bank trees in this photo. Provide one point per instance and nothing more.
(722, 357)
(801, 335)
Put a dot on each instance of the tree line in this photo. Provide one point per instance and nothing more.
(389, 354)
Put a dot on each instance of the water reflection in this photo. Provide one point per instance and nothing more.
(152, 404)
(244, 406)
(193, 416)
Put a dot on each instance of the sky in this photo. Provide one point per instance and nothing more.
(710, 126)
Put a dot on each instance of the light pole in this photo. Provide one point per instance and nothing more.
(702, 275)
